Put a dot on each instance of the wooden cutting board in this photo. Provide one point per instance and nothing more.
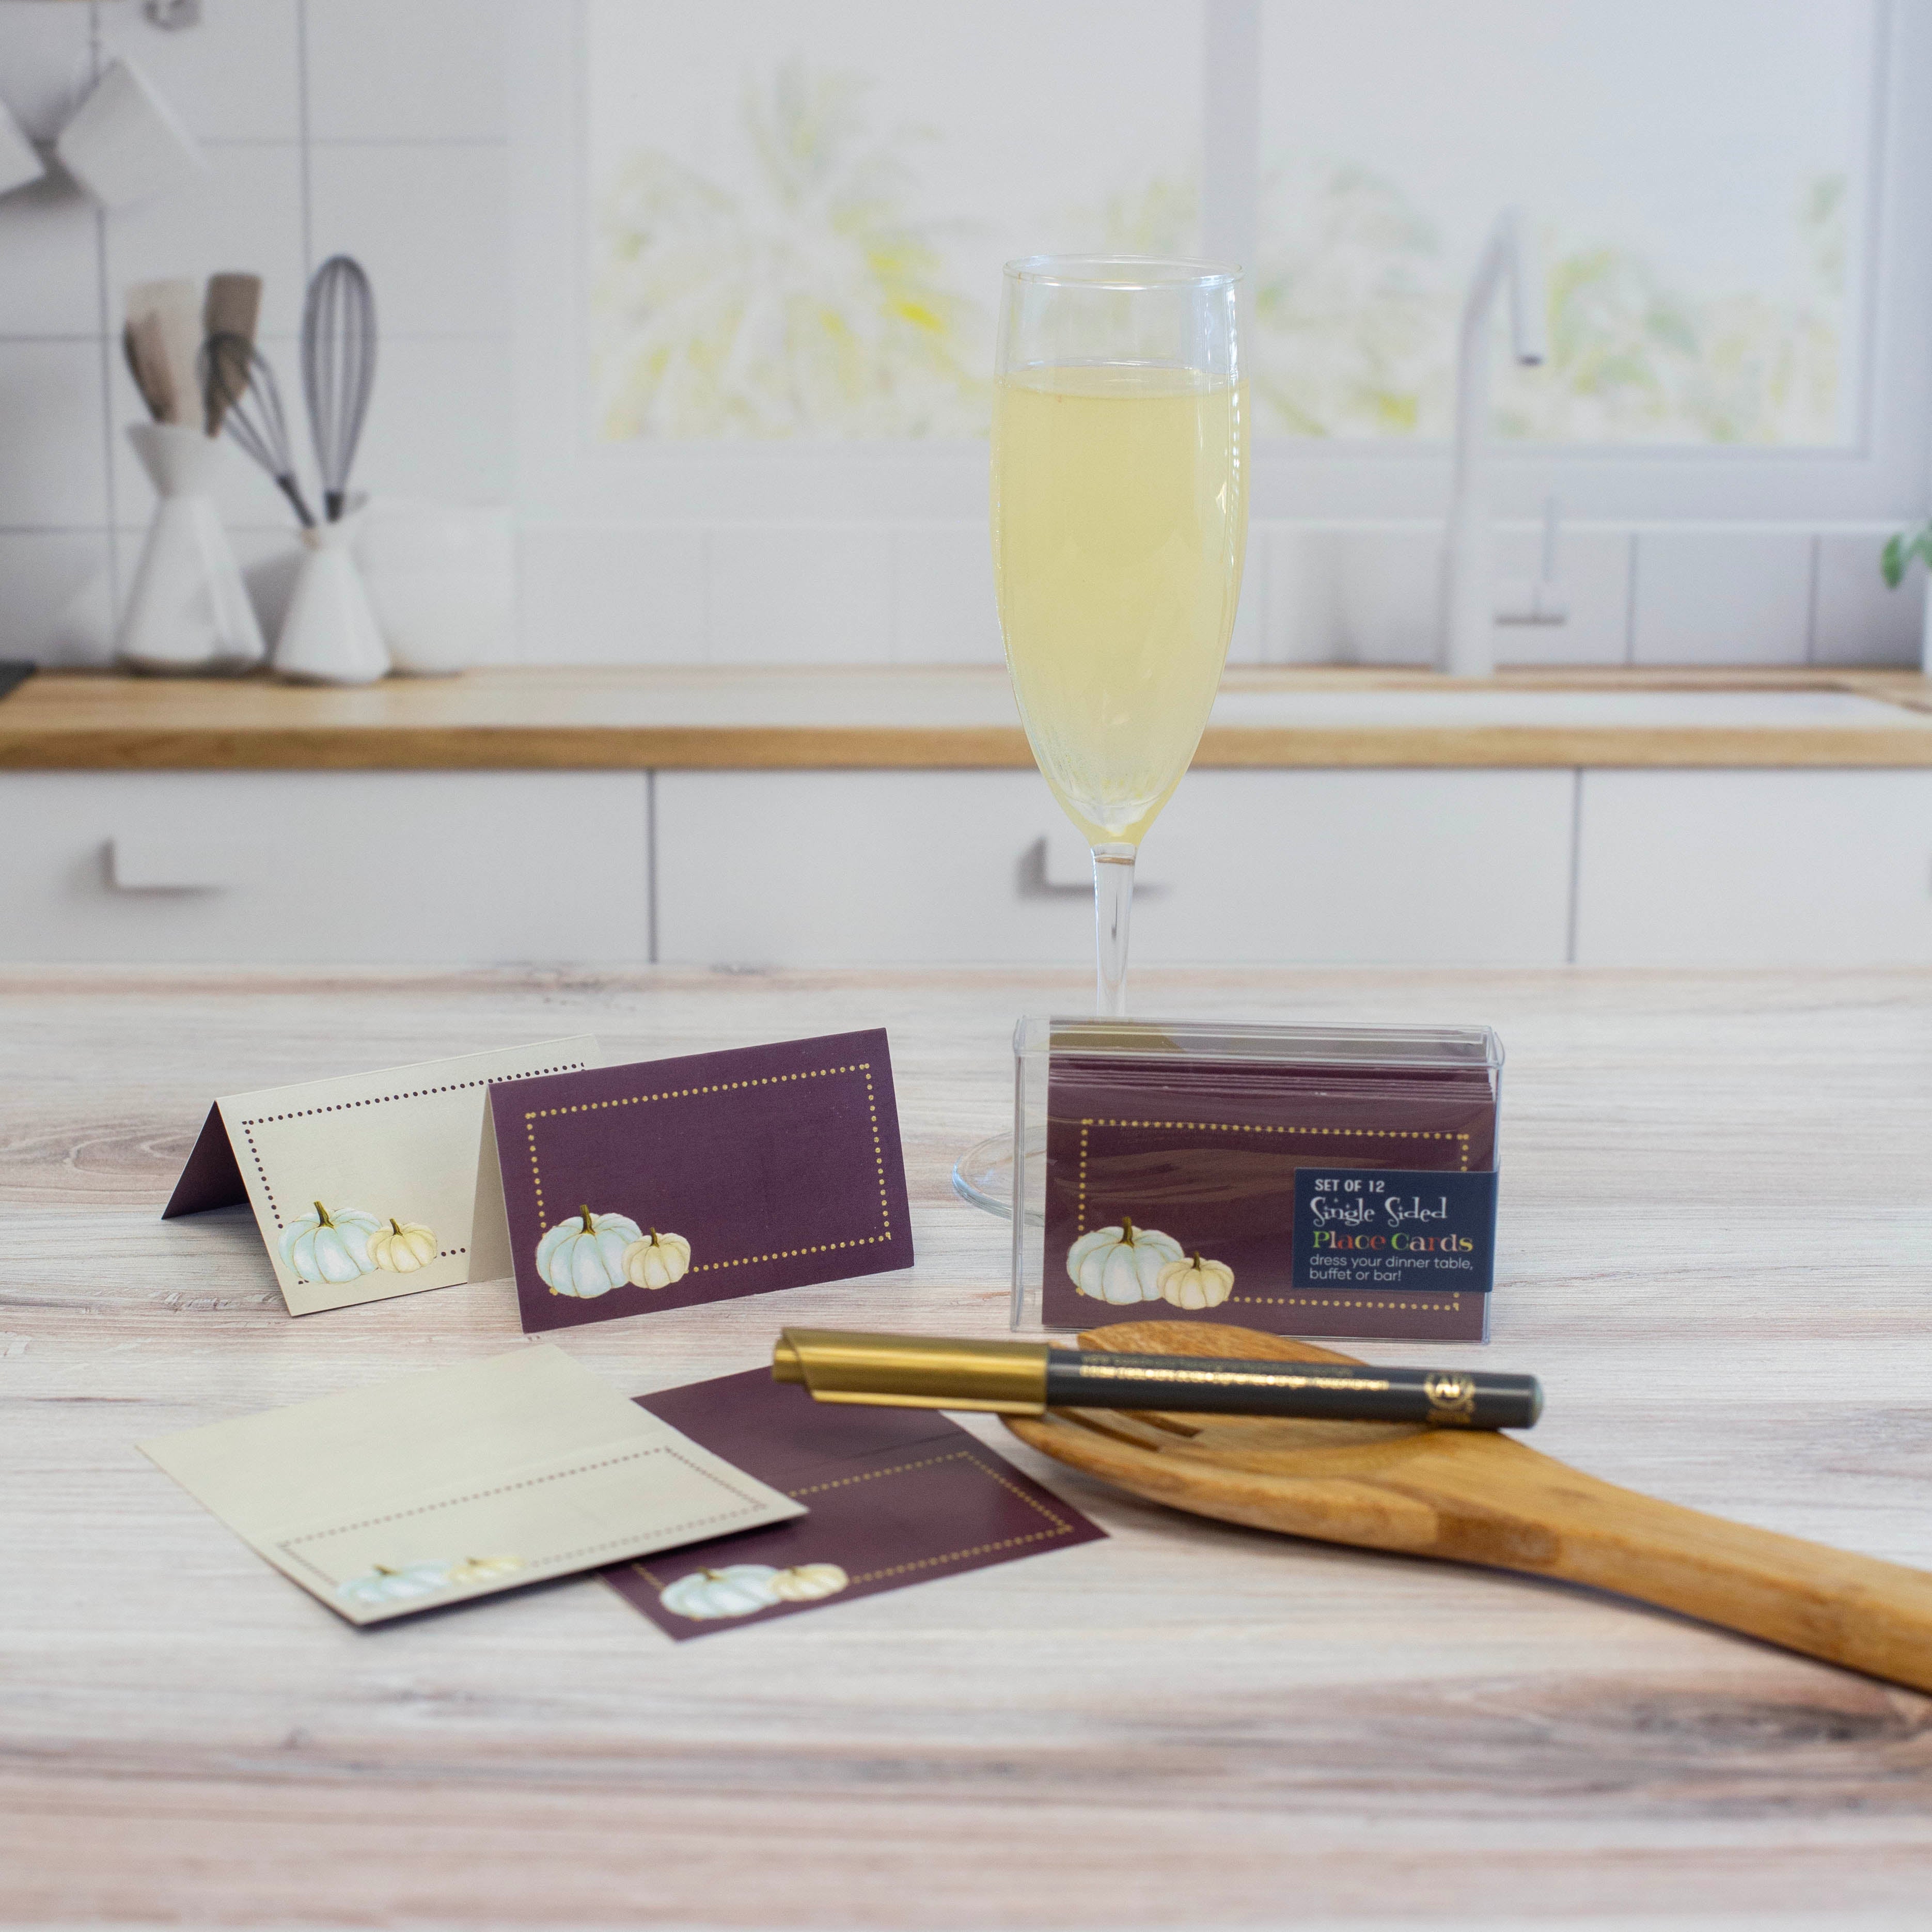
(1473, 1496)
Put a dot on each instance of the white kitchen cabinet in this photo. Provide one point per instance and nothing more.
(481, 868)
(1755, 868)
(822, 868)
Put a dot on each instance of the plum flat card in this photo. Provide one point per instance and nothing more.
(626, 1190)
(896, 1496)
(430, 1488)
(389, 1159)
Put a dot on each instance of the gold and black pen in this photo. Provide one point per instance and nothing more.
(1029, 1378)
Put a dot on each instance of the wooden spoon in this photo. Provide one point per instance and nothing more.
(1477, 1497)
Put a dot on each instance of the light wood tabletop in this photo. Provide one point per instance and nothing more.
(1717, 1252)
(957, 717)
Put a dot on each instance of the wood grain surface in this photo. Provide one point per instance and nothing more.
(1716, 1252)
(905, 717)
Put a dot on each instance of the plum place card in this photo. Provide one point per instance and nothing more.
(896, 1496)
(363, 1185)
(434, 1488)
(621, 1190)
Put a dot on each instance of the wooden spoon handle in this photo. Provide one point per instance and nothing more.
(1852, 1610)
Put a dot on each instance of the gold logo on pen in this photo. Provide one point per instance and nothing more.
(1452, 1398)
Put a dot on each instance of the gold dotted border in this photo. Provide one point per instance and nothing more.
(1453, 1306)
(861, 1067)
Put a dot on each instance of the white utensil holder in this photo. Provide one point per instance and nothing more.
(188, 610)
(330, 635)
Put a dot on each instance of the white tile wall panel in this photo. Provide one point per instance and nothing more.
(45, 69)
(825, 867)
(1593, 577)
(235, 77)
(611, 596)
(1721, 597)
(430, 223)
(1755, 868)
(944, 608)
(56, 600)
(407, 70)
(1858, 621)
(1386, 596)
(53, 472)
(50, 261)
(1302, 621)
(246, 213)
(439, 421)
(799, 594)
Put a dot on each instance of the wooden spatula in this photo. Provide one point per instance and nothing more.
(168, 314)
(232, 307)
(1476, 1497)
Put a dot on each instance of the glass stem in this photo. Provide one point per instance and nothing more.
(1113, 907)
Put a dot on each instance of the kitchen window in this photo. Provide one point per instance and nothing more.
(759, 244)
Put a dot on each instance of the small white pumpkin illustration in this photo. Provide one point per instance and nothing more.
(403, 1246)
(658, 1261)
(735, 1590)
(322, 1247)
(585, 1257)
(473, 1570)
(381, 1585)
(1121, 1264)
(1195, 1283)
(806, 1583)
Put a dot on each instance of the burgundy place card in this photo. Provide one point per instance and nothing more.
(895, 1496)
(624, 1190)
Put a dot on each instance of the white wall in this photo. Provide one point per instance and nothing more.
(379, 128)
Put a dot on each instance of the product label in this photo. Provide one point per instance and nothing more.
(1386, 1228)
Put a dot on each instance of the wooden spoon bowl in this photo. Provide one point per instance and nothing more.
(1475, 1496)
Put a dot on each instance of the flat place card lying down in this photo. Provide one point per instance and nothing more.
(896, 1496)
(434, 1488)
(364, 1184)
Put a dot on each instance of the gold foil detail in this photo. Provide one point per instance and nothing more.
(1452, 1398)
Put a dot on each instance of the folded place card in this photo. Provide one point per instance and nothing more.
(896, 1496)
(622, 1189)
(436, 1487)
(363, 1185)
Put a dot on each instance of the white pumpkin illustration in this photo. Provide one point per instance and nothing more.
(657, 1262)
(403, 1246)
(807, 1583)
(735, 1590)
(381, 1585)
(585, 1257)
(1121, 1264)
(474, 1571)
(322, 1247)
(1195, 1283)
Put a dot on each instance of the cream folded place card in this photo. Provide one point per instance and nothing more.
(436, 1487)
(363, 1185)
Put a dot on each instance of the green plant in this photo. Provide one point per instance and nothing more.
(1901, 549)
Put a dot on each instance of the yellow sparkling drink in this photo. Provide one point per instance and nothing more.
(1120, 517)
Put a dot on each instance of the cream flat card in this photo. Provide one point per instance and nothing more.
(430, 1488)
(363, 1186)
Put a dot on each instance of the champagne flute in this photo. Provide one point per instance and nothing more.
(1119, 518)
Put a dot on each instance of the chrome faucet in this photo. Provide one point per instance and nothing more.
(1467, 647)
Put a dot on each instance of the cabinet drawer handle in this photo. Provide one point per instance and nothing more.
(1053, 867)
(151, 862)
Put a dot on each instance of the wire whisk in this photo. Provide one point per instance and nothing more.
(338, 369)
(241, 394)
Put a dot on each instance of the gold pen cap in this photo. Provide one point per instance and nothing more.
(913, 1371)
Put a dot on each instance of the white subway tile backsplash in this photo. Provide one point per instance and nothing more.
(430, 224)
(943, 610)
(439, 77)
(612, 596)
(45, 67)
(439, 422)
(800, 594)
(246, 214)
(1858, 620)
(56, 604)
(52, 475)
(1593, 574)
(1386, 597)
(1302, 609)
(1721, 597)
(50, 284)
(236, 76)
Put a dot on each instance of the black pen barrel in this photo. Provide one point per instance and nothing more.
(1335, 1391)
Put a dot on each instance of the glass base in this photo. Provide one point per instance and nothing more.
(982, 1176)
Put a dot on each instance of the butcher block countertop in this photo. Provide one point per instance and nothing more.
(1716, 1252)
(913, 718)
